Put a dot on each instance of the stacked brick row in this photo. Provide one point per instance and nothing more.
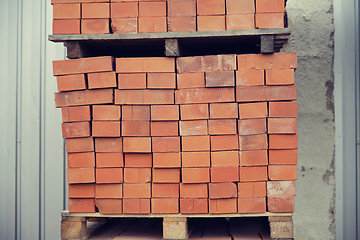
(147, 16)
(216, 135)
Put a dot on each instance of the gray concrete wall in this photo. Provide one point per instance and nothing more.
(313, 38)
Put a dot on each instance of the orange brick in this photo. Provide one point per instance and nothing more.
(136, 113)
(145, 65)
(195, 175)
(251, 205)
(282, 125)
(82, 190)
(223, 205)
(195, 159)
(283, 141)
(251, 77)
(87, 97)
(270, 6)
(165, 113)
(190, 190)
(102, 80)
(106, 113)
(190, 80)
(253, 110)
(166, 175)
(251, 94)
(137, 190)
(283, 109)
(282, 172)
(76, 114)
(109, 190)
(280, 77)
(223, 110)
(281, 204)
(81, 175)
(137, 144)
(222, 190)
(165, 129)
(95, 10)
(76, 129)
(240, 22)
(253, 174)
(165, 144)
(191, 206)
(66, 26)
(165, 190)
(136, 206)
(181, 24)
(164, 205)
(211, 23)
(251, 189)
(181, 8)
(135, 128)
(86, 205)
(220, 79)
(132, 81)
(82, 160)
(95, 26)
(283, 156)
(224, 142)
(152, 9)
(193, 128)
(152, 24)
(108, 144)
(166, 160)
(71, 82)
(225, 159)
(161, 80)
(210, 63)
(239, 7)
(104, 160)
(224, 174)
(74, 145)
(124, 25)
(137, 175)
(253, 142)
(144, 97)
(106, 128)
(124, 9)
(275, 93)
(66, 11)
(267, 61)
(204, 95)
(83, 65)
(280, 188)
(109, 175)
(210, 7)
(109, 206)
(195, 143)
(269, 20)
(253, 158)
(194, 111)
(252, 126)
(222, 126)
(138, 160)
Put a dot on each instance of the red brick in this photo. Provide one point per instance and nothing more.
(102, 80)
(152, 9)
(132, 81)
(211, 23)
(95, 10)
(280, 77)
(136, 113)
(109, 206)
(239, 7)
(190, 190)
(224, 110)
(138, 160)
(253, 142)
(76, 114)
(253, 110)
(283, 141)
(135, 128)
(165, 144)
(145, 65)
(75, 145)
(78, 1)
(253, 174)
(225, 159)
(195, 143)
(81, 205)
(124, 25)
(204, 95)
(181, 8)
(109, 175)
(82, 160)
(282, 125)
(108, 144)
(137, 190)
(280, 188)
(165, 129)
(224, 142)
(66, 11)
(224, 174)
(109, 190)
(136, 206)
(252, 126)
(71, 82)
(95, 26)
(193, 128)
(283, 109)
(191, 80)
(195, 159)
(251, 94)
(99, 96)
(251, 77)
(210, 7)
(240, 21)
(222, 126)
(87, 97)
(106, 128)
(104, 160)
(223, 205)
(287, 60)
(165, 190)
(220, 79)
(164, 205)
(251, 205)
(281, 204)
(124, 10)
(137, 144)
(66, 26)
(251, 189)
(137, 175)
(166, 175)
(66, 67)
(283, 156)
(81, 175)
(195, 175)
(82, 190)
(222, 190)
(181, 24)
(194, 111)
(106, 113)
(141, 97)
(267, 61)
(166, 160)
(253, 158)
(210, 63)
(76, 129)
(270, 6)
(165, 113)
(191, 206)
(152, 24)
(83, 65)
(161, 80)
(282, 172)
(269, 20)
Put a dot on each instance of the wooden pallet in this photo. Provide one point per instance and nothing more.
(74, 225)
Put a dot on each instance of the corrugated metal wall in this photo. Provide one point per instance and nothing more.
(31, 147)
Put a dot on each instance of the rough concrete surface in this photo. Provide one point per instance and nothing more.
(313, 38)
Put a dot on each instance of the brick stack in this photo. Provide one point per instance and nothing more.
(216, 135)
(148, 16)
